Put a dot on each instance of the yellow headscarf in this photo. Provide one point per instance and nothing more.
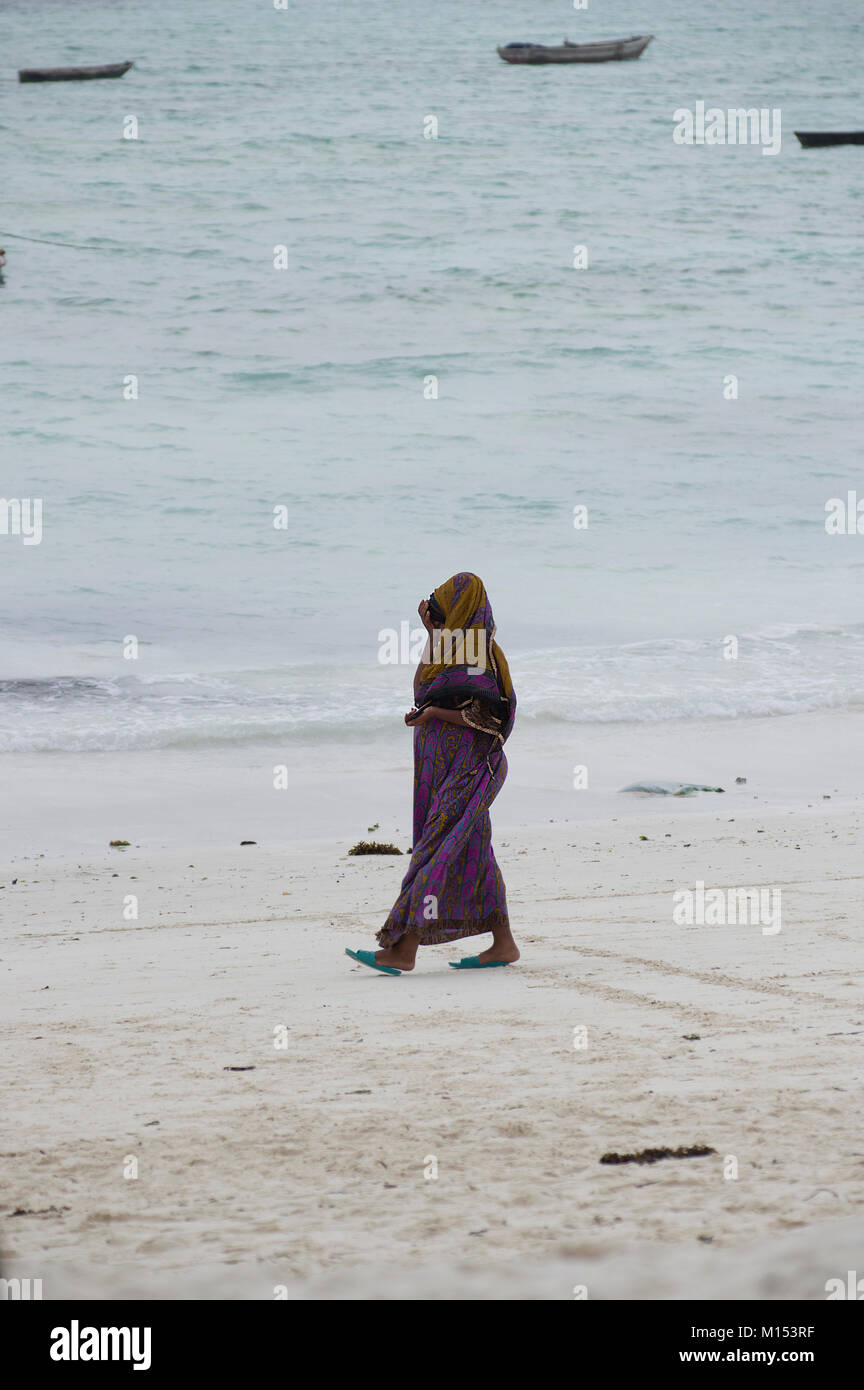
(466, 606)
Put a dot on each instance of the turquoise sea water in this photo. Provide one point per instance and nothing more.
(406, 258)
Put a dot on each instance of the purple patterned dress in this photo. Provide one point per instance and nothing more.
(453, 886)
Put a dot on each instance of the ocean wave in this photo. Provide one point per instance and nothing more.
(781, 670)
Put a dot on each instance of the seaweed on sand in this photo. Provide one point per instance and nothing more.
(373, 847)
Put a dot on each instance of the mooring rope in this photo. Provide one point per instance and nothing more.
(75, 245)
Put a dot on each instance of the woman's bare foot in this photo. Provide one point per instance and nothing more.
(503, 947)
(402, 955)
(508, 954)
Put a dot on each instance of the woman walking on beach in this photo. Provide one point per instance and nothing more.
(464, 711)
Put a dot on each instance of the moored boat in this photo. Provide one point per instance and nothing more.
(810, 139)
(611, 51)
(73, 74)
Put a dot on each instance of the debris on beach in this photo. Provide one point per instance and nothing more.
(238, 1068)
(373, 847)
(654, 1155)
(741, 781)
(118, 844)
(40, 1211)
(669, 788)
(248, 842)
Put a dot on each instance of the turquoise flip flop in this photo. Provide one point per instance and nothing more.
(475, 963)
(368, 958)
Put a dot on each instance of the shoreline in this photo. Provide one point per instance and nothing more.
(75, 803)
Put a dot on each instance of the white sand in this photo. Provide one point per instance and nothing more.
(308, 1171)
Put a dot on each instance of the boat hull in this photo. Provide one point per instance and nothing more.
(812, 139)
(73, 74)
(617, 50)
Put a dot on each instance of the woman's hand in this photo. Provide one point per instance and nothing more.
(423, 611)
(449, 716)
(416, 717)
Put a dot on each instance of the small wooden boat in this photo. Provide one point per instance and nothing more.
(73, 74)
(810, 139)
(615, 50)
